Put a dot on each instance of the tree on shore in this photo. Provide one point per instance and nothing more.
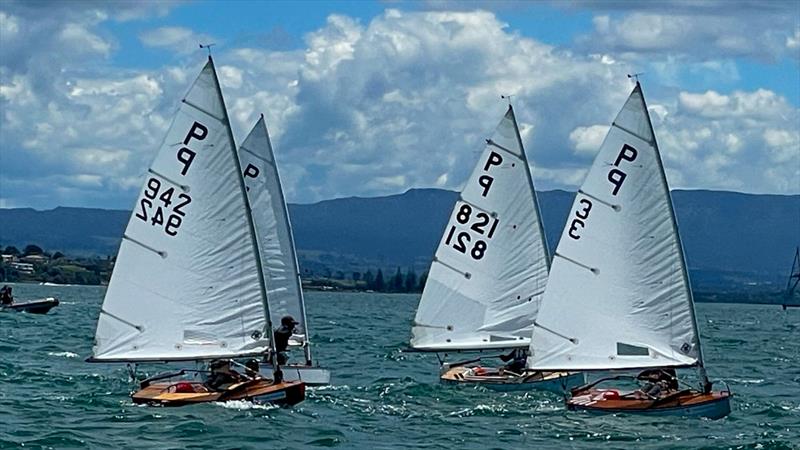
(379, 283)
(411, 280)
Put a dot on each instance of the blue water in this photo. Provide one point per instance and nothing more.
(380, 397)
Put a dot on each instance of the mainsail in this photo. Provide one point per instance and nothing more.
(271, 219)
(618, 295)
(490, 269)
(186, 283)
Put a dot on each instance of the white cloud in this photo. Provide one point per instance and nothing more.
(404, 100)
(711, 29)
(177, 39)
(759, 104)
(587, 140)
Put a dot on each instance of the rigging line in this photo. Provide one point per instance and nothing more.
(573, 340)
(495, 144)
(610, 205)
(160, 253)
(209, 114)
(466, 275)
(649, 141)
(138, 327)
(184, 187)
(594, 270)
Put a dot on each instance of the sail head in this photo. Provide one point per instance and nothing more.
(490, 268)
(185, 284)
(618, 295)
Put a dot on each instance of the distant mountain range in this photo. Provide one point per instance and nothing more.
(730, 238)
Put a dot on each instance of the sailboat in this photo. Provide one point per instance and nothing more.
(618, 296)
(278, 255)
(489, 272)
(789, 294)
(188, 283)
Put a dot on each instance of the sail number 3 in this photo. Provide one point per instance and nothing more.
(616, 177)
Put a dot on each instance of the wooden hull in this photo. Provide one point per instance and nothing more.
(558, 382)
(40, 306)
(181, 393)
(310, 375)
(713, 405)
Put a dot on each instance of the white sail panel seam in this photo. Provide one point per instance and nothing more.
(491, 213)
(138, 327)
(203, 111)
(184, 187)
(510, 152)
(610, 205)
(594, 270)
(254, 155)
(466, 275)
(160, 253)
(649, 141)
(555, 333)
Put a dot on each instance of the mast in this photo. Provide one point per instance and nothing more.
(700, 364)
(249, 214)
(530, 183)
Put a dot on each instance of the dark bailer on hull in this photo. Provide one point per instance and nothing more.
(691, 403)
(40, 306)
(181, 393)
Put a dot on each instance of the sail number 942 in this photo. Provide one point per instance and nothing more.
(150, 211)
(477, 225)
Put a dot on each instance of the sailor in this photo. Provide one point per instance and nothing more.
(658, 382)
(222, 376)
(6, 298)
(252, 369)
(282, 336)
(515, 361)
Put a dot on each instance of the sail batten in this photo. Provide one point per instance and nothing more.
(185, 283)
(491, 264)
(618, 296)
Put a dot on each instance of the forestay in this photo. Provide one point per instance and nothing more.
(490, 268)
(271, 219)
(618, 294)
(185, 284)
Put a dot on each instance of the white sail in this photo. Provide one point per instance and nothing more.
(271, 219)
(618, 295)
(490, 269)
(185, 283)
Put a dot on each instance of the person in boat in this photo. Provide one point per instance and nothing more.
(282, 336)
(658, 382)
(6, 297)
(222, 375)
(515, 361)
(251, 369)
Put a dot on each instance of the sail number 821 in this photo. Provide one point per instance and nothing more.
(460, 239)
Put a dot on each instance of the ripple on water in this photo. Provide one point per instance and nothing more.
(380, 397)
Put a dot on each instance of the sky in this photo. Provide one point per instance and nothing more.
(368, 98)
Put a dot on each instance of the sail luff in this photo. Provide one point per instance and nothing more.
(681, 252)
(547, 255)
(249, 214)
